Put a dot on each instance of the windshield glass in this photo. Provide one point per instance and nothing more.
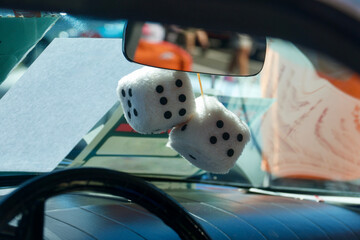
(302, 109)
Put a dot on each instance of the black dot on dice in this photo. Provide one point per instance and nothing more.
(182, 98)
(191, 156)
(178, 83)
(159, 89)
(219, 124)
(183, 127)
(129, 103)
(226, 136)
(163, 101)
(130, 92)
(135, 112)
(239, 137)
(129, 114)
(213, 139)
(167, 115)
(182, 112)
(230, 152)
(123, 93)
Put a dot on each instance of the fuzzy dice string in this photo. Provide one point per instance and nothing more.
(203, 131)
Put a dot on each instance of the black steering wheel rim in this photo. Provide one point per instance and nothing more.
(30, 197)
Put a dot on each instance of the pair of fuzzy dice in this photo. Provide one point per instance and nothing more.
(203, 131)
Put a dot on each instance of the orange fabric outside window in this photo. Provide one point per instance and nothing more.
(164, 55)
(312, 130)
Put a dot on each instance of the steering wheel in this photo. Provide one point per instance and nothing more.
(29, 201)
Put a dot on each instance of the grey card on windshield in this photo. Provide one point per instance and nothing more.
(58, 100)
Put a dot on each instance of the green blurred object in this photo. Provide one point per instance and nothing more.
(18, 35)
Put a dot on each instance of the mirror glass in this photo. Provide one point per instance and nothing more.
(194, 49)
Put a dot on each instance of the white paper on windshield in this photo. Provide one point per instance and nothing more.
(58, 100)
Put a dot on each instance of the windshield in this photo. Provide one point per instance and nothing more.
(59, 109)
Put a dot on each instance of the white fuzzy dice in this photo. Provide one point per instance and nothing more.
(213, 139)
(155, 100)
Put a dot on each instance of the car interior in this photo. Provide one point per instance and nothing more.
(72, 166)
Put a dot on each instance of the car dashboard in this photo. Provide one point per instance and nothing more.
(224, 213)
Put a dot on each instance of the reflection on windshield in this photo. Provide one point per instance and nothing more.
(303, 112)
(118, 146)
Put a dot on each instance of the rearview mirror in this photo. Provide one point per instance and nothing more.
(194, 49)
